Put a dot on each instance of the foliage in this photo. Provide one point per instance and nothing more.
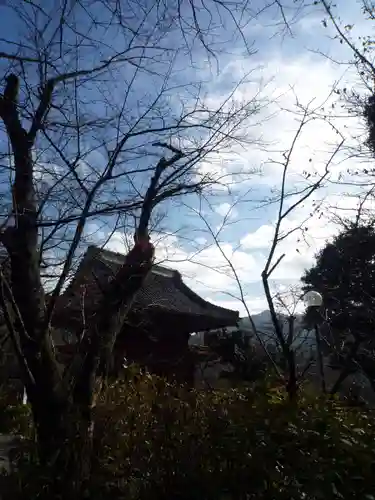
(344, 274)
(14, 417)
(369, 114)
(107, 119)
(156, 440)
(159, 441)
(247, 363)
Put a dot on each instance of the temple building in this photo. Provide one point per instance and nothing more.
(162, 316)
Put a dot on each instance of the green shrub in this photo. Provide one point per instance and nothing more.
(158, 441)
(15, 418)
(155, 440)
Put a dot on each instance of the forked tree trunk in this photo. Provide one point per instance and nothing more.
(29, 331)
(62, 412)
(49, 402)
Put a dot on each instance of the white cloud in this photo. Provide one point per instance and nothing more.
(226, 210)
(282, 81)
(209, 274)
(200, 240)
(291, 82)
(261, 238)
(208, 270)
(47, 173)
(301, 246)
(255, 305)
(216, 170)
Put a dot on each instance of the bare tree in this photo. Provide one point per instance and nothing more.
(356, 98)
(288, 198)
(272, 261)
(93, 92)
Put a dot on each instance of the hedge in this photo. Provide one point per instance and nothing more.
(158, 441)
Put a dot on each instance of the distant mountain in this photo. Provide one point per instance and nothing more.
(263, 322)
(303, 339)
(265, 329)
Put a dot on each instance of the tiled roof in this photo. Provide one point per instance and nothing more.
(162, 291)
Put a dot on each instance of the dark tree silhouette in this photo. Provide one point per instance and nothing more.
(92, 96)
(344, 274)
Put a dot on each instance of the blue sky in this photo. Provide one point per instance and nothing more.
(285, 68)
(283, 63)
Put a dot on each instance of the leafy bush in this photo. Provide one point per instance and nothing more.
(158, 441)
(14, 417)
(155, 440)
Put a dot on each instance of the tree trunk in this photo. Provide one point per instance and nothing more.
(320, 358)
(292, 385)
(63, 418)
(49, 401)
(347, 366)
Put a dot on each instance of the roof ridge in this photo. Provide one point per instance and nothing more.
(179, 282)
(98, 249)
(166, 292)
(155, 268)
